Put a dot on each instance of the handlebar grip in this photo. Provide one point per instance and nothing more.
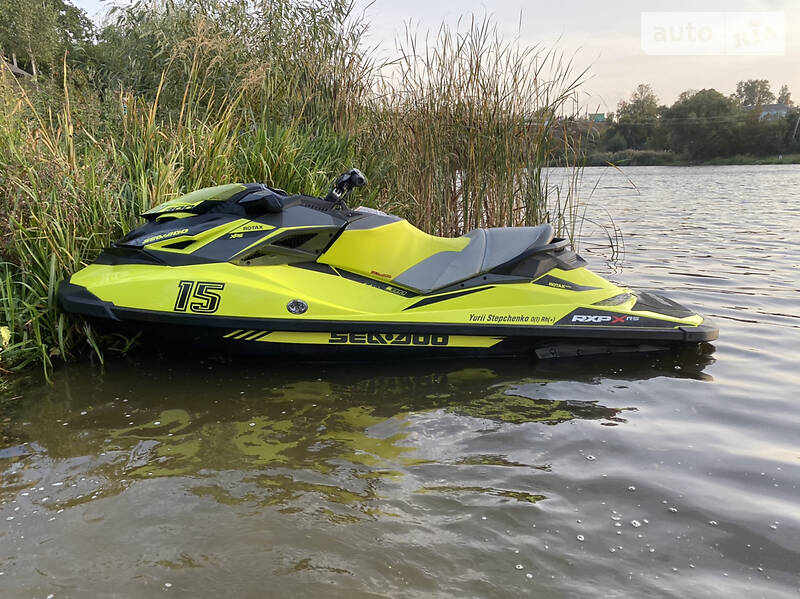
(344, 184)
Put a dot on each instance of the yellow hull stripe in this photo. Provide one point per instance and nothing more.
(371, 339)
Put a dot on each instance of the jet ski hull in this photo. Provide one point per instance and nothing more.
(374, 339)
(249, 269)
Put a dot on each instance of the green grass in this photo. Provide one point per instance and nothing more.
(667, 158)
(637, 158)
(453, 135)
(748, 159)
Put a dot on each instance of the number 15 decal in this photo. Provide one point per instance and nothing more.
(204, 296)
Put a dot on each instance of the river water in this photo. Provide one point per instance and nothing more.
(673, 476)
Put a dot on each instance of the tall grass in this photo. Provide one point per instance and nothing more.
(64, 201)
(471, 120)
(453, 135)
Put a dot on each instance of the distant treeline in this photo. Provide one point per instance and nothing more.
(700, 126)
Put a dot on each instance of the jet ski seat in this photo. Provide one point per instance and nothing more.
(487, 249)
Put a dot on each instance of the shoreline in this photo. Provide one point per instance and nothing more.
(651, 158)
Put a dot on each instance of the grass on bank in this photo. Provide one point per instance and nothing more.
(667, 158)
(455, 135)
(749, 159)
(69, 200)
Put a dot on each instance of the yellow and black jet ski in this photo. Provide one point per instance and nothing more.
(248, 267)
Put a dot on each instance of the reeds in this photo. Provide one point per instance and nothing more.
(471, 120)
(453, 135)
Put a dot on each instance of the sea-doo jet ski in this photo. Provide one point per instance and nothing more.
(251, 268)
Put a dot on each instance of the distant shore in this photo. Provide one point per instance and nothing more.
(654, 158)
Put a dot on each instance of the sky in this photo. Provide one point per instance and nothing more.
(606, 37)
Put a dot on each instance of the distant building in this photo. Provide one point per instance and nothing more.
(770, 111)
(597, 117)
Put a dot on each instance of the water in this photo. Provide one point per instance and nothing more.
(661, 477)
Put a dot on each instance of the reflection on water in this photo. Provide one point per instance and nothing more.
(306, 415)
(660, 476)
(320, 418)
(327, 442)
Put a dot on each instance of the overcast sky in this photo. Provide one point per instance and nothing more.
(605, 36)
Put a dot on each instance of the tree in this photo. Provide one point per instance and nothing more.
(785, 96)
(753, 92)
(41, 30)
(615, 143)
(792, 137)
(701, 124)
(637, 118)
(29, 29)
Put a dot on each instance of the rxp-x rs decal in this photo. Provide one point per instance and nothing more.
(609, 318)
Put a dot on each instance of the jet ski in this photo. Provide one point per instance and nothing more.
(250, 268)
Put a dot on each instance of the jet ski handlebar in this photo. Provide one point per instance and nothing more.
(344, 185)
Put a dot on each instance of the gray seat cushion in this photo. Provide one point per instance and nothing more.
(487, 249)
